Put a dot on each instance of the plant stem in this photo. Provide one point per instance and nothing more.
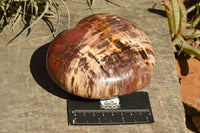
(197, 11)
(192, 7)
(196, 21)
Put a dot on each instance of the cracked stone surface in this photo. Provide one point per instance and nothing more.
(31, 102)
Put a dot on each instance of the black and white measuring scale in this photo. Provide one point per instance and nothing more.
(129, 109)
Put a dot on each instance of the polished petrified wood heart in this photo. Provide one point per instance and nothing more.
(103, 56)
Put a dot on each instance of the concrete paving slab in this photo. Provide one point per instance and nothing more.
(32, 102)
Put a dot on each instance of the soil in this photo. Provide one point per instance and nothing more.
(189, 77)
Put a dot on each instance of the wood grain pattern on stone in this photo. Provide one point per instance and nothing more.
(103, 56)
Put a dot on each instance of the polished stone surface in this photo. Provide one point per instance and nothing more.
(104, 56)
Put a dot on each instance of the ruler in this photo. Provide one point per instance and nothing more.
(130, 109)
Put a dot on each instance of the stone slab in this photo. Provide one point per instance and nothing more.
(31, 102)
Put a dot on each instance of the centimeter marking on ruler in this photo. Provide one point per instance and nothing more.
(109, 121)
(107, 111)
(105, 123)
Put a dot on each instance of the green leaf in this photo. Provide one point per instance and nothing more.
(190, 33)
(186, 47)
(176, 14)
(170, 16)
(196, 21)
(183, 19)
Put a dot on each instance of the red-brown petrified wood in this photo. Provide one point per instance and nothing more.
(103, 56)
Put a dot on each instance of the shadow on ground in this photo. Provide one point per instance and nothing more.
(158, 11)
(189, 112)
(183, 63)
(41, 76)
